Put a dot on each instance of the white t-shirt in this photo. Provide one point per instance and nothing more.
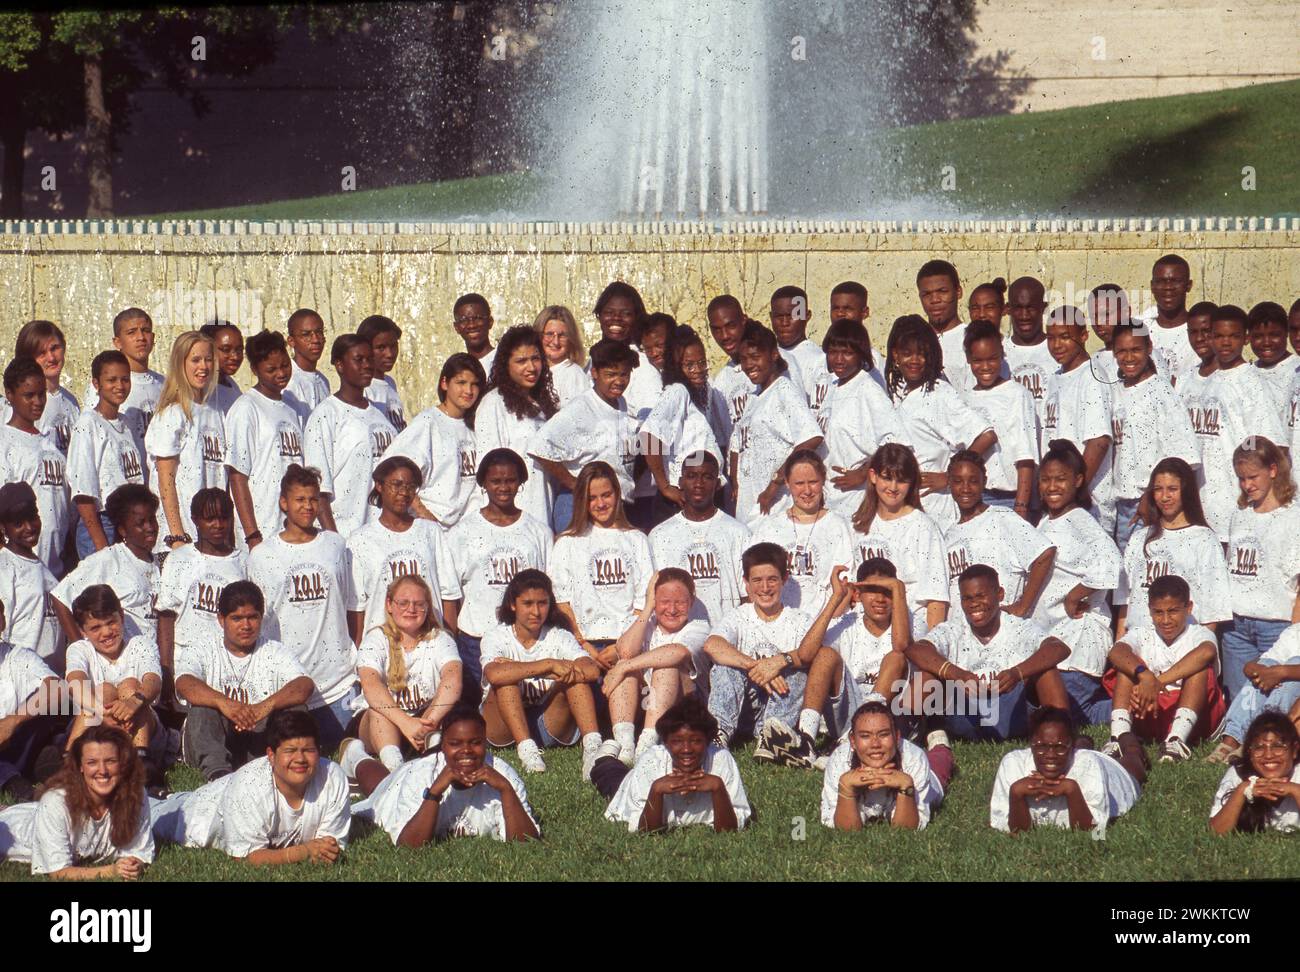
(644, 386)
(1103, 366)
(1237, 404)
(759, 638)
(345, 443)
(1279, 379)
(190, 587)
(814, 378)
(735, 388)
(680, 810)
(997, 537)
(874, 805)
(102, 455)
(138, 658)
(36, 460)
(496, 427)
(1192, 553)
(955, 366)
(1160, 656)
(1089, 640)
(41, 834)
(25, 590)
(936, 424)
(586, 429)
(501, 644)
(813, 551)
(691, 636)
(1263, 562)
(682, 429)
(263, 439)
(1148, 423)
(1169, 347)
(710, 551)
(1285, 648)
(199, 443)
(569, 379)
(141, 401)
(224, 396)
(21, 673)
(306, 389)
(857, 418)
(1015, 641)
(1085, 554)
(1079, 407)
(377, 556)
(859, 649)
(1291, 413)
(913, 543)
(60, 415)
(250, 679)
(444, 449)
(463, 811)
(774, 422)
(383, 392)
(1283, 816)
(1031, 365)
(134, 581)
(603, 576)
(1108, 790)
(308, 588)
(1009, 409)
(487, 557)
(424, 665)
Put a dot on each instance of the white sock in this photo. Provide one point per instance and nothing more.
(527, 746)
(808, 722)
(937, 738)
(1121, 721)
(591, 740)
(391, 756)
(649, 737)
(1183, 724)
(625, 735)
(353, 753)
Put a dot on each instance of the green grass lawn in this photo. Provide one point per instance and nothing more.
(1165, 837)
(1177, 155)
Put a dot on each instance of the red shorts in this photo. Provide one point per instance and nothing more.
(1157, 726)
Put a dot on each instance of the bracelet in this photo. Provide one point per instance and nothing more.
(850, 795)
(943, 668)
(177, 538)
(1020, 675)
(255, 535)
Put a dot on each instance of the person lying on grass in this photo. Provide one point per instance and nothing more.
(1262, 792)
(875, 774)
(93, 810)
(1272, 684)
(536, 677)
(1163, 676)
(460, 790)
(687, 779)
(1054, 784)
(287, 806)
(854, 649)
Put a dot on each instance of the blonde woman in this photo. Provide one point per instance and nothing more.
(186, 441)
(410, 679)
(562, 345)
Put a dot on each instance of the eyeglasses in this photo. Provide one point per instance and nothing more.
(408, 605)
(1058, 748)
(400, 486)
(1265, 746)
(470, 318)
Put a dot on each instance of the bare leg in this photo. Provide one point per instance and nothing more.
(557, 716)
(890, 679)
(503, 710)
(622, 703)
(1050, 689)
(376, 732)
(665, 690)
(826, 670)
(583, 706)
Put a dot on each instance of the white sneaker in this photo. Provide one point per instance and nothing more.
(609, 747)
(590, 752)
(627, 755)
(644, 745)
(1175, 751)
(530, 756)
(1111, 748)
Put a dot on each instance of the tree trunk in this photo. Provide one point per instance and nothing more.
(13, 139)
(99, 163)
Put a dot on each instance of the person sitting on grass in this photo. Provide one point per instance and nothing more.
(666, 643)
(854, 651)
(874, 774)
(687, 779)
(287, 806)
(1164, 680)
(1262, 792)
(536, 678)
(410, 678)
(233, 684)
(1054, 783)
(94, 809)
(458, 790)
(115, 680)
(1015, 658)
(756, 676)
(1273, 685)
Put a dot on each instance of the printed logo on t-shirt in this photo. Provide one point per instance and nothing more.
(62, 436)
(380, 440)
(743, 430)
(309, 585)
(130, 462)
(502, 565)
(872, 547)
(818, 397)
(1244, 561)
(396, 416)
(212, 450)
(608, 569)
(702, 562)
(1117, 430)
(410, 699)
(403, 568)
(1155, 570)
(1032, 379)
(468, 464)
(51, 473)
(801, 561)
(765, 649)
(206, 594)
(958, 561)
(290, 443)
(1205, 418)
(1050, 415)
(737, 405)
(50, 613)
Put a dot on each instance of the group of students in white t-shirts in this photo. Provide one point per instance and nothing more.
(574, 546)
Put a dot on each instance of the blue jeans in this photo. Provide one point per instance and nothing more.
(1008, 718)
(332, 720)
(1089, 703)
(740, 706)
(1251, 702)
(561, 510)
(86, 546)
(471, 668)
(1241, 641)
(1124, 512)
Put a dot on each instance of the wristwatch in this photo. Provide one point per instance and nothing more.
(177, 538)
(1137, 672)
(790, 659)
(431, 796)
(907, 791)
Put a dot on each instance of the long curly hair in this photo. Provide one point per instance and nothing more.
(128, 796)
(522, 403)
(680, 339)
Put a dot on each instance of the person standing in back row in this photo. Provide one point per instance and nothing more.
(307, 386)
